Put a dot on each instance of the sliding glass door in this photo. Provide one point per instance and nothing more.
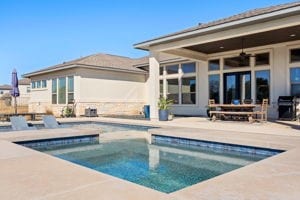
(237, 85)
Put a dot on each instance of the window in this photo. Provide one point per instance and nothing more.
(28, 89)
(70, 89)
(214, 65)
(54, 91)
(1, 92)
(236, 62)
(44, 83)
(188, 68)
(33, 85)
(214, 87)
(173, 90)
(295, 55)
(188, 90)
(38, 84)
(161, 70)
(295, 81)
(262, 79)
(172, 69)
(262, 59)
(62, 90)
(161, 88)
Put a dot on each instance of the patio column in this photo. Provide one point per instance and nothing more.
(153, 84)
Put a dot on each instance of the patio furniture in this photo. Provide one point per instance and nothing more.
(233, 111)
(50, 122)
(19, 123)
(263, 112)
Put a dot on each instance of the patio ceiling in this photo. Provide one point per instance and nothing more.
(253, 40)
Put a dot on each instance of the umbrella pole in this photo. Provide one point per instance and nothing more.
(16, 105)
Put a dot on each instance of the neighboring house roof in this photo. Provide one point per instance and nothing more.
(24, 81)
(5, 87)
(96, 61)
(241, 16)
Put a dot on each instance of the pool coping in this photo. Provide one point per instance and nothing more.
(258, 180)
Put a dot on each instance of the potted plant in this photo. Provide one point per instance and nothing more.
(164, 105)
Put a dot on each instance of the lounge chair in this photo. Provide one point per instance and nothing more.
(50, 122)
(19, 123)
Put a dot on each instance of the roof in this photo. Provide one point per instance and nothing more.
(95, 61)
(24, 81)
(241, 16)
(5, 87)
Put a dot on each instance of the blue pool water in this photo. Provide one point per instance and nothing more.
(161, 167)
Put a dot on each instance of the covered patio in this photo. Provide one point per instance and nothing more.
(252, 55)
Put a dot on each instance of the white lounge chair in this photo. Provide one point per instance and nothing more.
(19, 123)
(50, 122)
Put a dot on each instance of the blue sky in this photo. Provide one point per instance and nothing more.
(39, 33)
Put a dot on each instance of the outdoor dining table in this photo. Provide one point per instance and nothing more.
(234, 107)
(233, 111)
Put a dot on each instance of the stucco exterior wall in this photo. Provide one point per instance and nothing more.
(110, 92)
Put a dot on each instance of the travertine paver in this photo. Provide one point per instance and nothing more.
(27, 174)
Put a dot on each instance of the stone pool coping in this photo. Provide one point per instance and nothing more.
(28, 174)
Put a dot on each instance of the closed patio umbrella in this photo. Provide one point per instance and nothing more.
(15, 87)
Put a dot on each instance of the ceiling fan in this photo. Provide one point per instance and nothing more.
(243, 55)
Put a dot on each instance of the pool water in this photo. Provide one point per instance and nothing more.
(160, 167)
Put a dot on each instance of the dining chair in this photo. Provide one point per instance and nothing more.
(263, 112)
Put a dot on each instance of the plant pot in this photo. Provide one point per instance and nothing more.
(163, 115)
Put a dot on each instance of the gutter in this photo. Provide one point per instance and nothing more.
(28, 75)
(264, 17)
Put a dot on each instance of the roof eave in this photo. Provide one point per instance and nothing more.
(37, 73)
(263, 17)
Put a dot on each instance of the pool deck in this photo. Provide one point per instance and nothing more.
(29, 174)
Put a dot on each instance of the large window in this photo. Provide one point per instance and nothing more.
(262, 79)
(188, 68)
(63, 90)
(173, 90)
(295, 55)
(54, 91)
(161, 88)
(262, 59)
(188, 90)
(172, 69)
(70, 89)
(214, 87)
(236, 62)
(214, 65)
(295, 81)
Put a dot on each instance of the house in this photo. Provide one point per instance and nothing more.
(4, 89)
(252, 55)
(24, 88)
(109, 83)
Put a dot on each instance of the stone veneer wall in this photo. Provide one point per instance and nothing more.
(112, 108)
(105, 108)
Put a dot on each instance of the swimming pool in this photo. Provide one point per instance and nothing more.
(163, 167)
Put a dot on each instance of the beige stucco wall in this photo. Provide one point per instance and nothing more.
(110, 92)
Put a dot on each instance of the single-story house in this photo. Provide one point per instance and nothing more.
(111, 84)
(252, 55)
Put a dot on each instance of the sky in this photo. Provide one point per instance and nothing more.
(35, 34)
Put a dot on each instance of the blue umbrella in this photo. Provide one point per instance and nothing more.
(15, 87)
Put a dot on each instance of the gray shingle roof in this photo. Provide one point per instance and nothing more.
(244, 15)
(102, 61)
